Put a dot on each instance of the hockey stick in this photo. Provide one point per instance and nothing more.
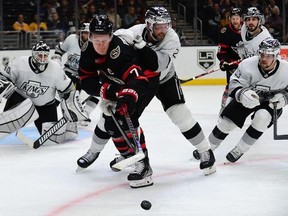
(44, 137)
(139, 155)
(277, 136)
(206, 73)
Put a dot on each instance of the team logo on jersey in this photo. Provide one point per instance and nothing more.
(115, 53)
(205, 59)
(33, 89)
(84, 46)
(73, 61)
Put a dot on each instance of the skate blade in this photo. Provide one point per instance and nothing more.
(79, 169)
(209, 170)
(129, 161)
(145, 182)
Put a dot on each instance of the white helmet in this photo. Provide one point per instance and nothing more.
(156, 15)
(270, 46)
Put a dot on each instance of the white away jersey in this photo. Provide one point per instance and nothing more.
(71, 46)
(249, 74)
(168, 47)
(39, 87)
(249, 47)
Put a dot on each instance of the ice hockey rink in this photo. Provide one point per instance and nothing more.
(43, 182)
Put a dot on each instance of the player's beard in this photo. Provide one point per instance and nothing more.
(159, 36)
(252, 28)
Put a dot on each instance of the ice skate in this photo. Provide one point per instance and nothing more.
(207, 162)
(234, 155)
(142, 174)
(114, 161)
(86, 160)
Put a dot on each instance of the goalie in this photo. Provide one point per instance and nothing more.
(29, 85)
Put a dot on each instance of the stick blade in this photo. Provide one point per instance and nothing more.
(24, 139)
(129, 161)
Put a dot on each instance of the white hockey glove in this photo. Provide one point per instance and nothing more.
(126, 35)
(247, 97)
(139, 42)
(72, 108)
(131, 38)
(106, 106)
(280, 99)
(6, 89)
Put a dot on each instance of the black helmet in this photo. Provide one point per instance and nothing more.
(236, 11)
(100, 24)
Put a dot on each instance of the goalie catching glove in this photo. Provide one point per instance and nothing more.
(72, 108)
(247, 97)
(280, 99)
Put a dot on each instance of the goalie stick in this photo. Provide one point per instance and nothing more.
(206, 73)
(275, 134)
(44, 137)
(139, 155)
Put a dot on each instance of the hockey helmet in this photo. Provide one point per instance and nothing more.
(40, 54)
(253, 12)
(270, 46)
(100, 24)
(157, 15)
(84, 27)
(83, 33)
(235, 12)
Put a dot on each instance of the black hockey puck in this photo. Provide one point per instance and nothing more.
(145, 204)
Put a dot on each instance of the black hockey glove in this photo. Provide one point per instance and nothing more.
(126, 102)
(109, 91)
(226, 66)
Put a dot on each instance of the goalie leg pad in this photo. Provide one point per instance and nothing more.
(71, 131)
(17, 117)
(72, 108)
(58, 137)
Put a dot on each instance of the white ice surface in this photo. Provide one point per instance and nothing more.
(43, 182)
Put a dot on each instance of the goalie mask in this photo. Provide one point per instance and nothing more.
(157, 15)
(40, 54)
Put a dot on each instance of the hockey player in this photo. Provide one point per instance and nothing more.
(252, 33)
(258, 83)
(109, 66)
(72, 45)
(157, 45)
(29, 84)
(227, 49)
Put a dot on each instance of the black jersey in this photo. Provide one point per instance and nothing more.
(228, 39)
(118, 66)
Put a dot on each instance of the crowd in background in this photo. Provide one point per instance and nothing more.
(60, 15)
(215, 15)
